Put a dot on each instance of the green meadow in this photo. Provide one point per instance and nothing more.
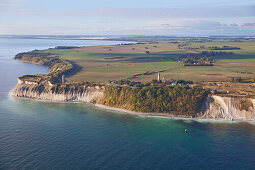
(101, 66)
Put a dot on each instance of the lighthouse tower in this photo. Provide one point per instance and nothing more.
(158, 77)
(63, 78)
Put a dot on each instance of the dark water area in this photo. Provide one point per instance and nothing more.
(45, 135)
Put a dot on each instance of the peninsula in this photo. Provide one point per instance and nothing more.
(191, 77)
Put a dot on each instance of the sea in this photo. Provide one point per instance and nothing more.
(48, 135)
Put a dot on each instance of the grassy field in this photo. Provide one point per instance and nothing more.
(103, 63)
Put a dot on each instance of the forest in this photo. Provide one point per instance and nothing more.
(181, 100)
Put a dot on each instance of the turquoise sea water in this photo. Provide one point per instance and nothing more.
(45, 135)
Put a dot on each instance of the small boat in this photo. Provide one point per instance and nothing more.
(186, 130)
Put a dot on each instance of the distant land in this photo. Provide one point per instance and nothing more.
(117, 37)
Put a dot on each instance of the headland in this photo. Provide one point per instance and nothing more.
(162, 97)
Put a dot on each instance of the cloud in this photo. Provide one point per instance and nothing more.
(186, 24)
(190, 27)
(205, 12)
(249, 24)
(10, 3)
(202, 27)
(230, 11)
(235, 20)
(234, 25)
(170, 27)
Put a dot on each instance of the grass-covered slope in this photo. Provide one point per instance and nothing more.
(57, 66)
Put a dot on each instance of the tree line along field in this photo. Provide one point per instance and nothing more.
(141, 62)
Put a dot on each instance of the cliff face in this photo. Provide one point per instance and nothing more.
(217, 107)
(47, 91)
(50, 87)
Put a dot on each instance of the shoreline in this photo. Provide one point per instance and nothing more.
(119, 110)
(166, 115)
(146, 114)
(134, 113)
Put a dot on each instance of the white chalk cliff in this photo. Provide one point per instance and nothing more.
(215, 107)
(231, 108)
(79, 93)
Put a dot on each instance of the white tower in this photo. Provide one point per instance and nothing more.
(63, 78)
(158, 77)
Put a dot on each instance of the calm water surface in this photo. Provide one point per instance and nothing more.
(44, 135)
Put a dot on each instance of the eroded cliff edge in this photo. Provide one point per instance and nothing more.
(215, 107)
(58, 92)
(231, 108)
(51, 86)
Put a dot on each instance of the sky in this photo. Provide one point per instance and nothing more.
(128, 17)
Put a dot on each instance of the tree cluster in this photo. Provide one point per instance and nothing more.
(161, 99)
(198, 60)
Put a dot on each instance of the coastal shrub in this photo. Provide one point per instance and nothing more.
(57, 66)
(245, 104)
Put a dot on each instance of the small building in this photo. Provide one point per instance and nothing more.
(173, 83)
(163, 80)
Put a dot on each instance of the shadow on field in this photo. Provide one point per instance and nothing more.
(75, 70)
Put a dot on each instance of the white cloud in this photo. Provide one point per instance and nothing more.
(249, 24)
(163, 27)
(10, 3)
(161, 21)
(205, 12)
(229, 11)
(202, 27)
